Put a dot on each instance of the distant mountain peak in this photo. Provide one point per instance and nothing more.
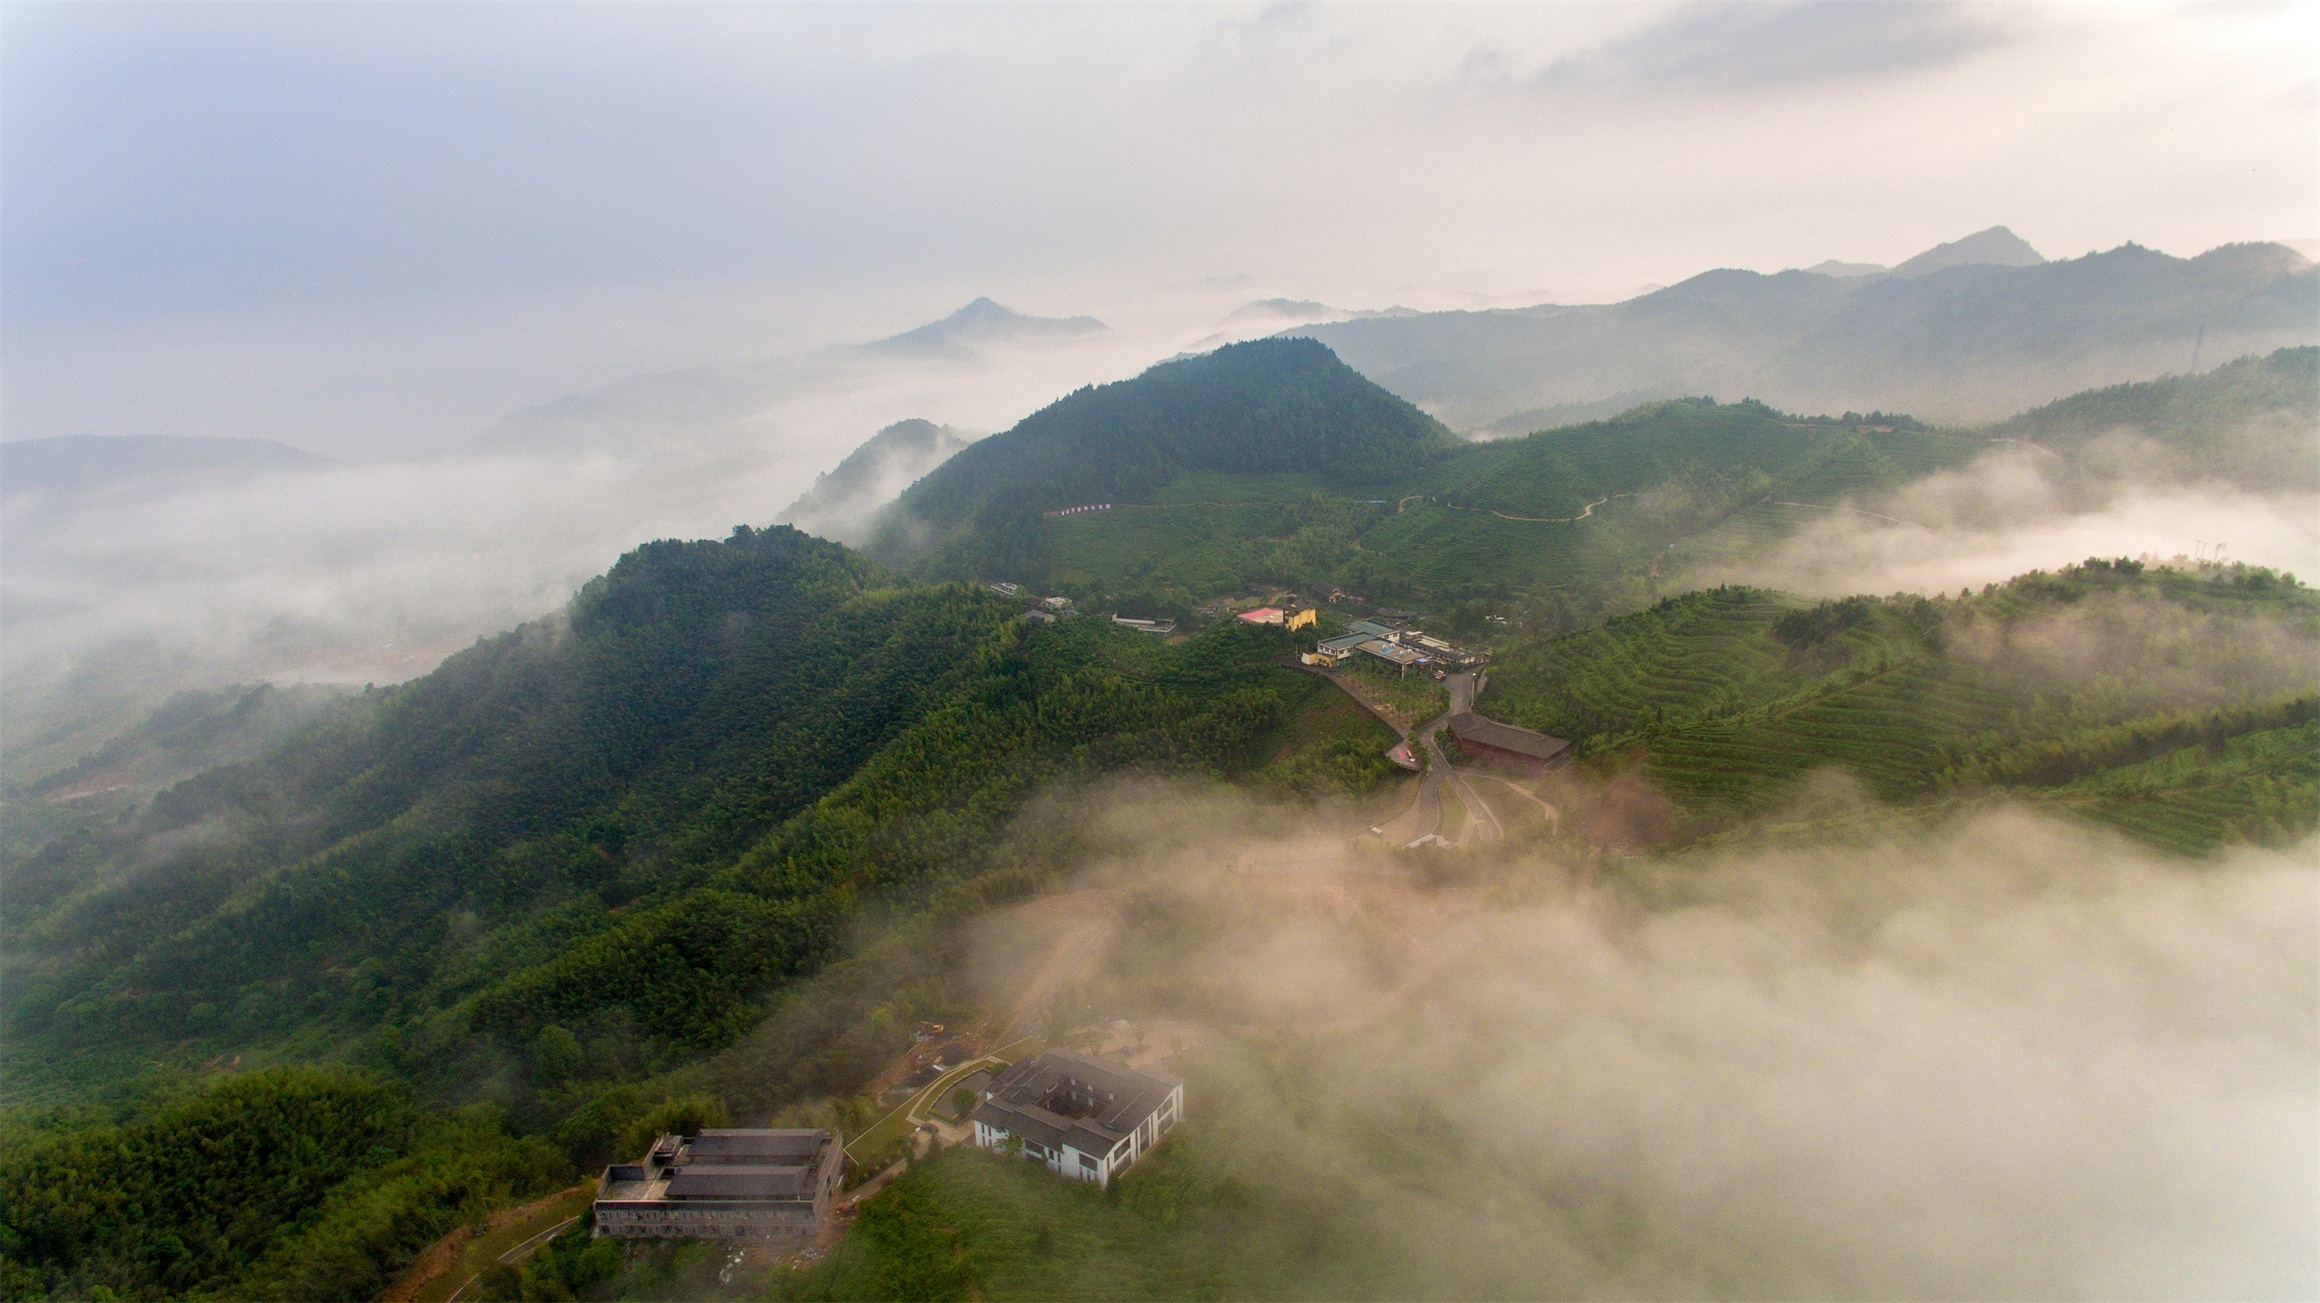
(1997, 246)
(985, 321)
(1846, 270)
(1283, 308)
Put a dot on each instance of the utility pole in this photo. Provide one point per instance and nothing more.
(2195, 347)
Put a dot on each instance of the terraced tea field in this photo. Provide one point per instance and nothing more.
(1730, 703)
(2258, 786)
(1704, 652)
(1199, 548)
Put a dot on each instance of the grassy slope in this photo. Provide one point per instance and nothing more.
(1274, 1188)
(973, 1225)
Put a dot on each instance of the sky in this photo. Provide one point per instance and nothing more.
(373, 230)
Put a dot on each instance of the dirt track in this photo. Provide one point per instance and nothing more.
(430, 1265)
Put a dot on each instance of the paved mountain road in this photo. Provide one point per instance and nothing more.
(1481, 820)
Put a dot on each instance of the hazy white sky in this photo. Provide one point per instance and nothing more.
(365, 228)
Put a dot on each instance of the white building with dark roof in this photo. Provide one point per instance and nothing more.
(1084, 1117)
(724, 1185)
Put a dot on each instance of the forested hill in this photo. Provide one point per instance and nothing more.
(2254, 422)
(572, 857)
(1275, 405)
(718, 751)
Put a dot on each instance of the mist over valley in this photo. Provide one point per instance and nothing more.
(808, 653)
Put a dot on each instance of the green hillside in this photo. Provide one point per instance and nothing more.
(1552, 529)
(290, 1184)
(1578, 512)
(1268, 406)
(631, 821)
(588, 851)
(2254, 422)
(2182, 707)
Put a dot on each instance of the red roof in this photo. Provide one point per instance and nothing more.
(1263, 615)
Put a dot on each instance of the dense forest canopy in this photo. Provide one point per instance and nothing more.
(287, 1184)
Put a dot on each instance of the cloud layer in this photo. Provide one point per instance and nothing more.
(2014, 1059)
(2013, 511)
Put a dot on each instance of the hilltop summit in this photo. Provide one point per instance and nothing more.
(1269, 405)
(1995, 247)
(984, 321)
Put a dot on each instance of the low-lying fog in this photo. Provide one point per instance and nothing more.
(374, 570)
(2018, 509)
(2016, 1059)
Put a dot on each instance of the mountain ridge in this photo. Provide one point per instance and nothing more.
(840, 502)
(635, 410)
(74, 463)
(1998, 247)
(1964, 343)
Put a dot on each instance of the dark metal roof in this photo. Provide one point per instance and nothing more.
(1042, 1127)
(1506, 737)
(741, 1146)
(1118, 1099)
(739, 1181)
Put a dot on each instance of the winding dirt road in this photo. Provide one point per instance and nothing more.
(1528, 520)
